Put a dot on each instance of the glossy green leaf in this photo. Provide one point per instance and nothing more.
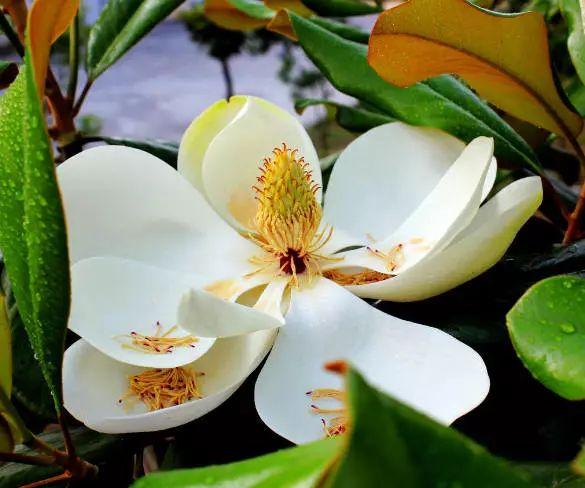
(32, 226)
(547, 327)
(576, 39)
(29, 387)
(121, 24)
(290, 468)
(441, 102)
(93, 447)
(341, 8)
(168, 151)
(8, 72)
(391, 441)
(354, 119)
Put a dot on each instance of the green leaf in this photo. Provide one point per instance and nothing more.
(441, 102)
(5, 349)
(253, 8)
(347, 31)
(547, 328)
(341, 8)
(579, 463)
(168, 151)
(29, 387)
(121, 24)
(576, 40)
(6, 439)
(391, 441)
(8, 73)
(557, 475)
(297, 467)
(354, 119)
(93, 447)
(32, 226)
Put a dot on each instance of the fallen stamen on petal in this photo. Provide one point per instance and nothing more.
(162, 388)
(159, 343)
(360, 278)
(393, 258)
(335, 425)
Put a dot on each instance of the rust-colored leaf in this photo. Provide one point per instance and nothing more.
(227, 16)
(47, 20)
(505, 58)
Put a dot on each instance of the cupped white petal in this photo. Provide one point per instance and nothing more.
(384, 175)
(93, 383)
(475, 249)
(206, 314)
(112, 298)
(422, 366)
(445, 212)
(231, 164)
(127, 203)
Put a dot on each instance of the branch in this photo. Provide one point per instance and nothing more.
(15, 457)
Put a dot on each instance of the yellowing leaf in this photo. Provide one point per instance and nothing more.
(505, 58)
(281, 24)
(47, 20)
(296, 6)
(227, 16)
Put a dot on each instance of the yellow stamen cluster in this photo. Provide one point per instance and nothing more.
(159, 343)
(337, 424)
(162, 388)
(361, 278)
(288, 215)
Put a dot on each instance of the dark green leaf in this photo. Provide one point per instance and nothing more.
(552, 475)
(579, 464)
(576, 40)
(390, 441)
(296, 467)
(93, 447)
(341, 8)
(441, 102)
(32, 226)
(354, 119)
(547, 327)
(166, 150)
(347, 31)
(121, 24)
(6, 439)
(5, 349)
(8, 73)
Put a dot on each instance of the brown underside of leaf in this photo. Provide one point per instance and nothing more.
(505, 58)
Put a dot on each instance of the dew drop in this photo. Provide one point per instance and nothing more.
(568, 328)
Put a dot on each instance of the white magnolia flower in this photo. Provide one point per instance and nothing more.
(236, 249)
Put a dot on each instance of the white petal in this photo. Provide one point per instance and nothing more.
(113, 297)
(422, 366)
(232, 159)
(204, 314)
(93, 383)
(447, 210)
(476, 249)
(127, 203)
(384, 175)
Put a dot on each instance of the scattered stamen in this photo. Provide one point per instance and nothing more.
(337, 424)
(394, 258)
(159, 343)
(162, 388)
(361, 278)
